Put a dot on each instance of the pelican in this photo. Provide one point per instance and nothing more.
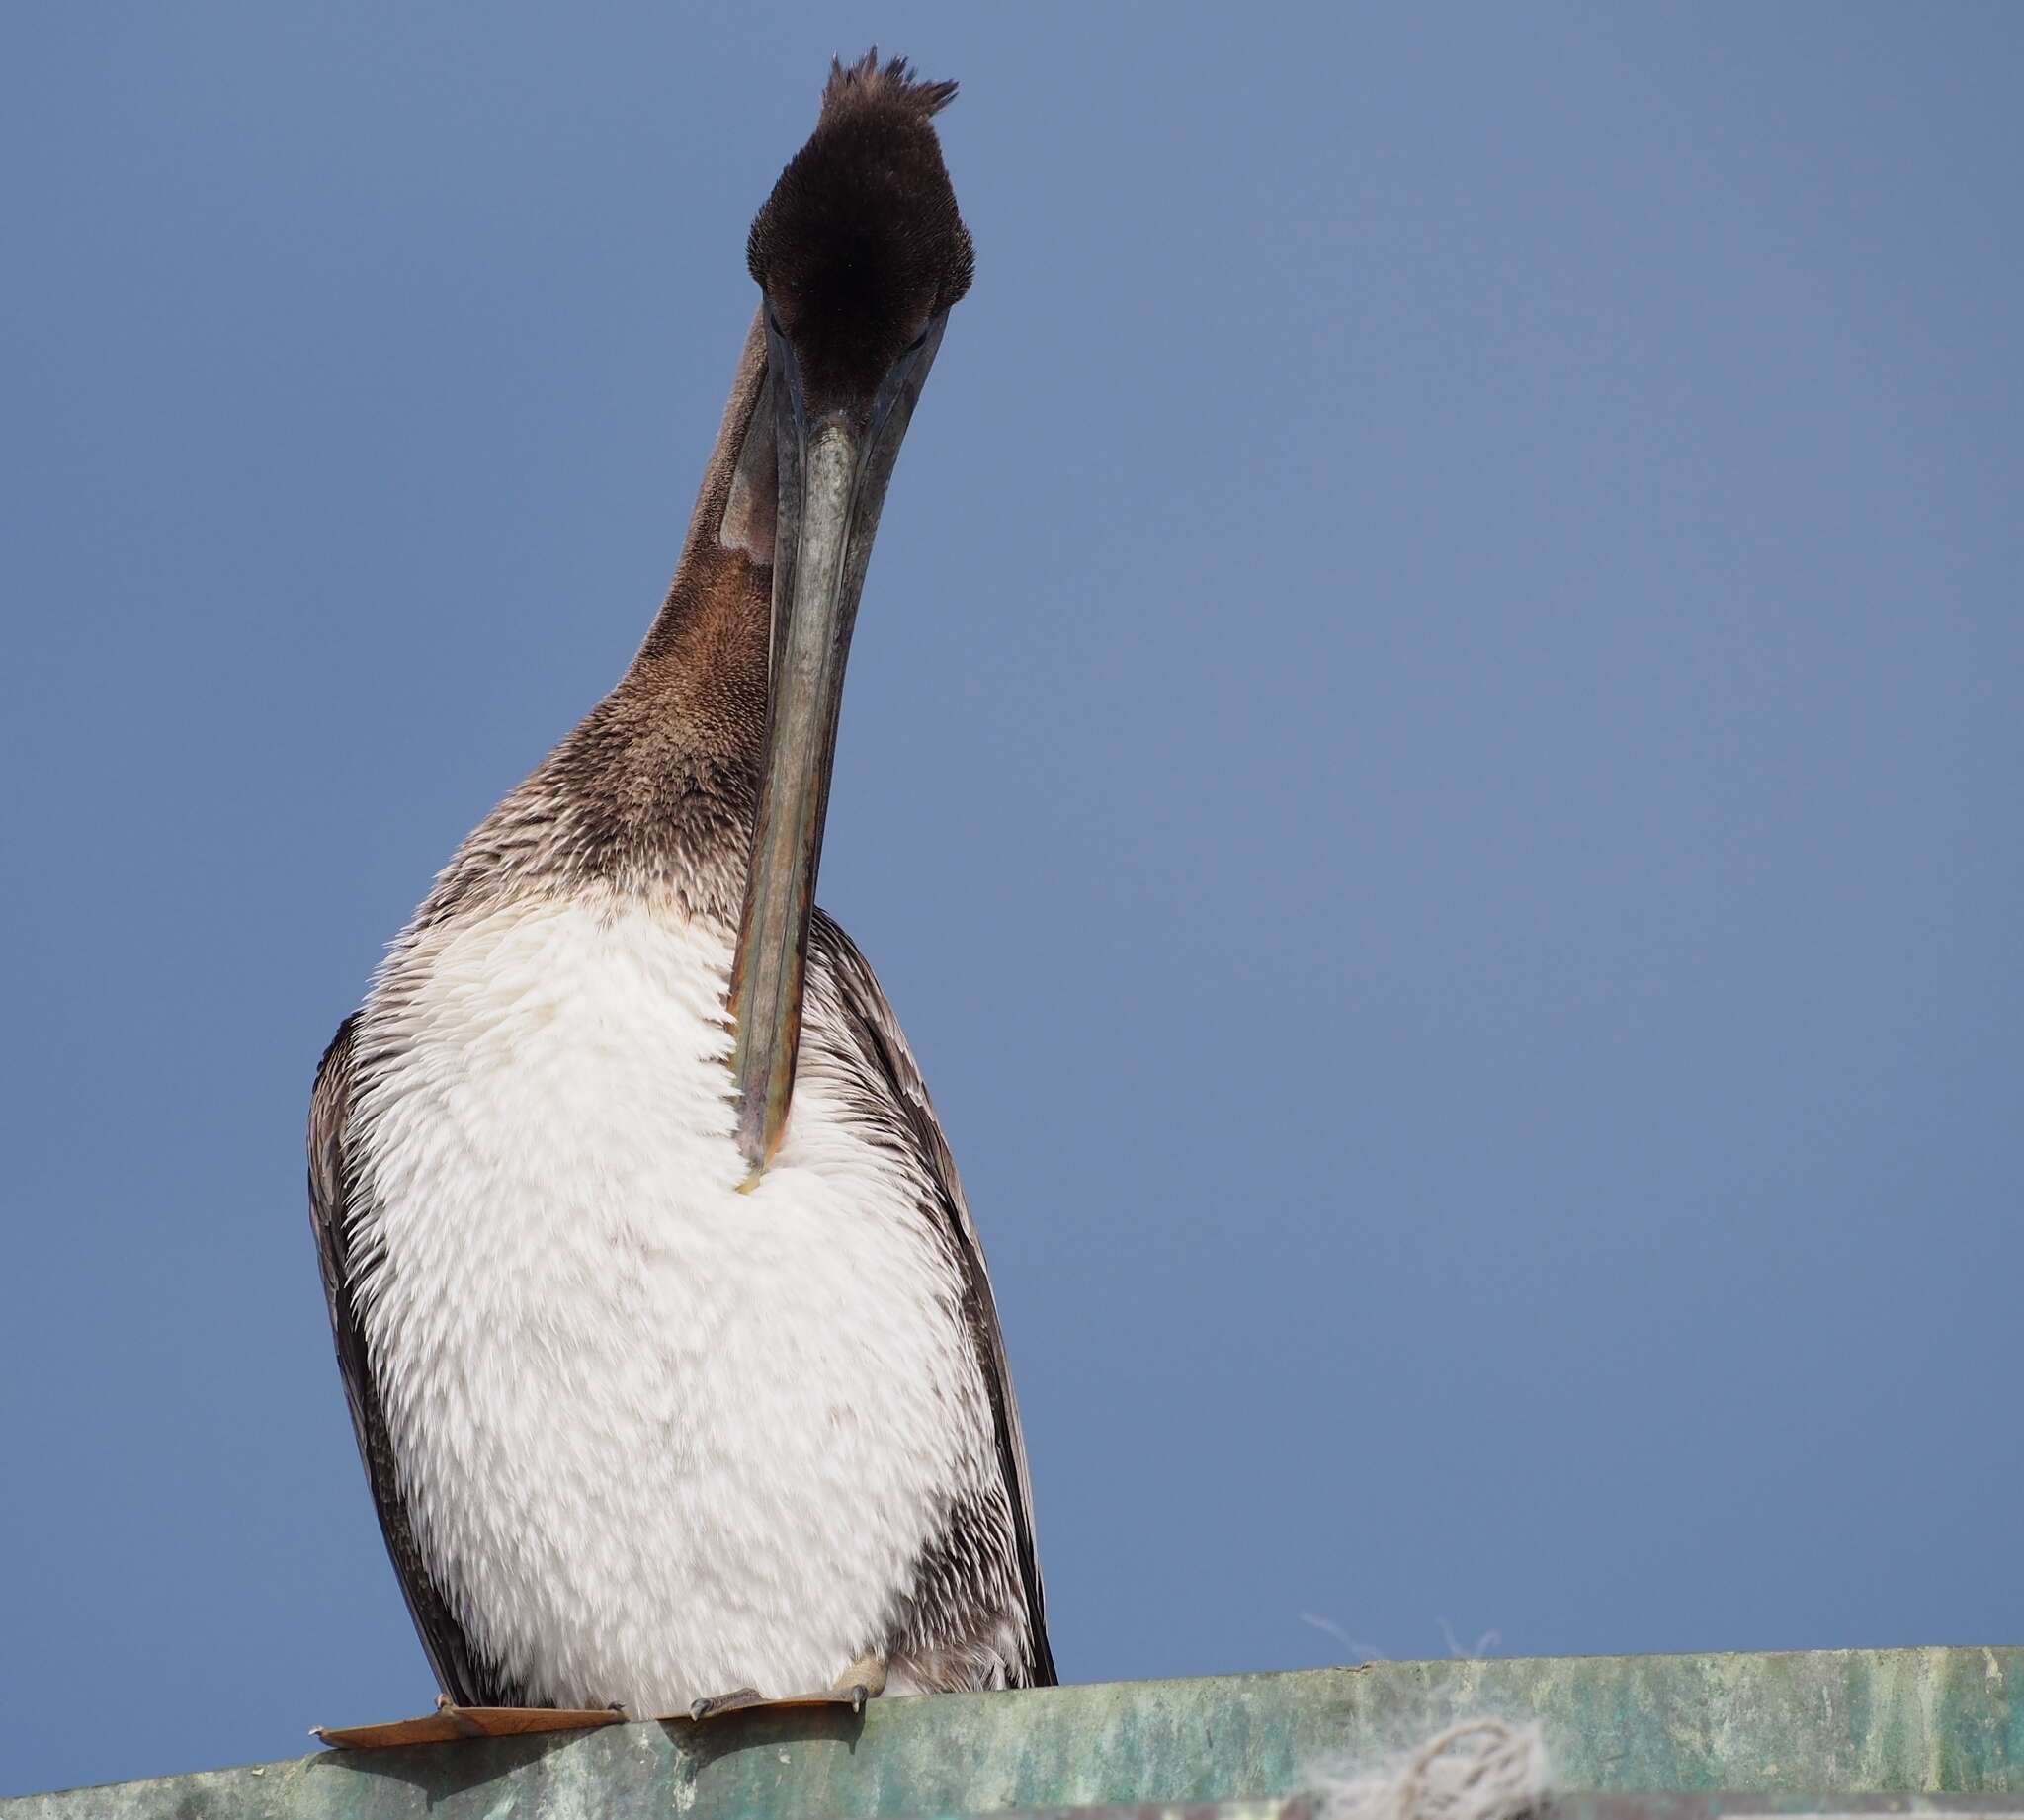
(664, 1326)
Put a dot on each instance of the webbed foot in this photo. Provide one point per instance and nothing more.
(864, 1680)
(861, 1683)
(737, 1701)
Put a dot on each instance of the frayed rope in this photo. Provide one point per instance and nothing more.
(1480, 1770)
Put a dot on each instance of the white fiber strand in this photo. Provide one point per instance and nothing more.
(1479, 1770)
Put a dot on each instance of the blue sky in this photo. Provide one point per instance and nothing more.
(1432, 763)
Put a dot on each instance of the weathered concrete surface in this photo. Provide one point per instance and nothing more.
(1937, 1721)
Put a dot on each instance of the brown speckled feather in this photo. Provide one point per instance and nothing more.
(458, 1672)
(960, 1573)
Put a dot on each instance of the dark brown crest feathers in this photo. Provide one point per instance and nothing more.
(860, 245)
(892, 84)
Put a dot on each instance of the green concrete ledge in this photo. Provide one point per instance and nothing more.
(1798, 1732)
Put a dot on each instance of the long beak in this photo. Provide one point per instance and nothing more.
(833, 473)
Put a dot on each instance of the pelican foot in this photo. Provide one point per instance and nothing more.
(863, 1680)
(718, 1705)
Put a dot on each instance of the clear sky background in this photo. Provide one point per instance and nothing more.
(1434, 762)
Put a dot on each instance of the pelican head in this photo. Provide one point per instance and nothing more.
(859, 254)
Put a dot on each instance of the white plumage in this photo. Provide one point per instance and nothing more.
(660, 1438)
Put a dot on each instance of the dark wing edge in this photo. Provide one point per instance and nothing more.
(457, 1669)
(868, 1006)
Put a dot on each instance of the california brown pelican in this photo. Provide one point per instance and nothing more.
(672, 1397)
